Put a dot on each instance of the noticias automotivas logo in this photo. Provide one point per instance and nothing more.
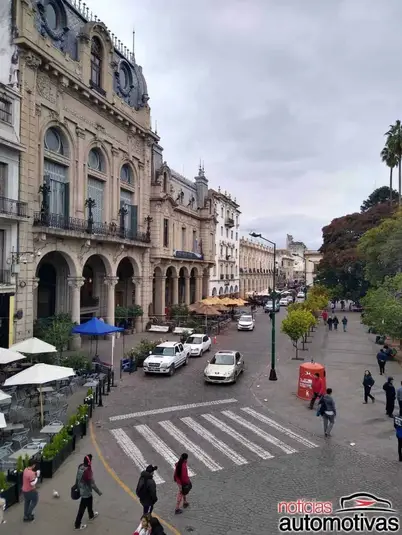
(360, 512)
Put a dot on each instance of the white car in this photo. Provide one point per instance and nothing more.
(246, 323)
(166, 358)
(224, 367)
(198, 344)
(284, 302)
(300, 295)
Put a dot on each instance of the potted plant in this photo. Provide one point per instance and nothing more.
(82, 417)
(55, 453)
(89, 402)
(15, 476)
(8, 490)
(134, 312)
(74, 426)
(121, 316)
(141, 351)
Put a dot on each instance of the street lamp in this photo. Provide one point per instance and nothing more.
(272, 373)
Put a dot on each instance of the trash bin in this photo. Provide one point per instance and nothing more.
(307, 371)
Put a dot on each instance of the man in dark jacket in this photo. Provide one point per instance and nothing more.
(398, 429)
(146, 489)
(381, 359)
(390, 396)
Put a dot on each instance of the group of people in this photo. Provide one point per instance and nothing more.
(333, 321)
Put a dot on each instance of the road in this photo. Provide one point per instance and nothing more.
(246, 454)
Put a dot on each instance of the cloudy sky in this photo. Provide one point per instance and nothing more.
(286, 101)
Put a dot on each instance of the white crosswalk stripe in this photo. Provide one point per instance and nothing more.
(237, 436)
(218, 444)
(214, 441)
(190, 446)
(160, 446)
(275, 425)
(263, 434)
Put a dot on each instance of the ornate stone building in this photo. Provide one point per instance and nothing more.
(297, 249)
(256, 267)
(225, 274)
(313, 258)
(86, 170)
(183, 236)
(284, 264)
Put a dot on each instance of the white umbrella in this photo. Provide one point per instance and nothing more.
(3, 422)
(4, 396)
(33, 346)
(40, 374)
(7, 356)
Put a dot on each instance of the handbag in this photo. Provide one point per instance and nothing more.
(75, 492)
(185, 489)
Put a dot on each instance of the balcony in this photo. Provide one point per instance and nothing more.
(63, 225)
(188, 255)
(13, 208)
(229, 222)
(232, 276)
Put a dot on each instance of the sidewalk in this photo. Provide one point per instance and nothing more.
(345, 356)
(118, 512)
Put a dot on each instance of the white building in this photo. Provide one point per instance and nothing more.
(297, 249)
(225, 275)
(11, 210)
(313, 258)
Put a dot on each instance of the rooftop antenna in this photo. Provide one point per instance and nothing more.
(133, 46)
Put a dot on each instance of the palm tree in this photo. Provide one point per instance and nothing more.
(394, 144)
(391, 161)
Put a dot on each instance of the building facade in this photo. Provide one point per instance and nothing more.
(225, 273)
(12, 211)
(86, 170)
(313, 258)
(256, 267)
(297, 250)
(183, 236)
(285, 263)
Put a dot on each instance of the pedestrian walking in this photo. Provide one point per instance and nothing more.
(183, 482)
(325, 316)
(390, 396)
(381, 359)
(146, 489)
(145, 526)
(327, 409)
(333, 307)
(156, 527)
(344, 323)
(30, 479)
(335, 322)
(398, 432)
(368, 382)
(86, 485)
(317, 387)
(342, 305)
(399, 398)
(330, 321)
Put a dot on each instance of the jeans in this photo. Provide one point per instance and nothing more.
(329, 422)
(85, 503)
(381, 364)
(389, 406)
(330, 326)
(367, 390)
(400, 449)
(400, 407)
(344, 327)
(315, 396)
(30, 502)
(335, 326)
(147, 509)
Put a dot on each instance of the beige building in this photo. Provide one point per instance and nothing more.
(256, 266)
(313, 258)
(183, 237)
(285, 266)
(86, 170)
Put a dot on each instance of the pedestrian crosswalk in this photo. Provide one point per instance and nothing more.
(213, 441)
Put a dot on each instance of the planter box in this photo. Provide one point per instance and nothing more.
(15, 478)
(75, 431)
(11, 495)
(83, 428)
(49, 467)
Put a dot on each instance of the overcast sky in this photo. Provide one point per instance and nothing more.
(286, 101)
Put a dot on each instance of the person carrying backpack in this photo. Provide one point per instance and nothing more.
(86, 484)
(146, 489)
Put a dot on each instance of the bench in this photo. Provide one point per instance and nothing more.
(181, 330)
(159, 329)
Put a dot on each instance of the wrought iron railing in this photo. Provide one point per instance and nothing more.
(111, 230)
(13, 207)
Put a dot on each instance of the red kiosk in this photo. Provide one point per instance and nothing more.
(306, 373)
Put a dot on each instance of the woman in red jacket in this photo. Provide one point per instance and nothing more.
(183, 482)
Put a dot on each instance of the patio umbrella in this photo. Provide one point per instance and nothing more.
(204, 310)
(95, 327)
(7, 356)
(33, 346)
(4, 396)
(3, 422)
(40, 374)
(211, 301)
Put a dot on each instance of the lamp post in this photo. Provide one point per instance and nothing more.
(272, 373)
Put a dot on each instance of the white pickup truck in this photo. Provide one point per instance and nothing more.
(166, 358)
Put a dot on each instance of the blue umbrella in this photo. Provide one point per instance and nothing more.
(95, 327)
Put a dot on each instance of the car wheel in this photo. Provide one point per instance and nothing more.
(186, 361)
(172, 370)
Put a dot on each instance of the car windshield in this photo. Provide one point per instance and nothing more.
(194, 340)
(163, 351)
(221, 358)
(246, 318)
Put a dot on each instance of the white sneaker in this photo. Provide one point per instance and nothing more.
(83, 526)
(96, 514)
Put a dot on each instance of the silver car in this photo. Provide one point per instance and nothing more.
(224, 367)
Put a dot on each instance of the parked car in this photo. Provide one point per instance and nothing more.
(246, 323)
(224, 367)
(284, 302)
(198, 344)
(269, 307)
(166, 358)
(300, 295)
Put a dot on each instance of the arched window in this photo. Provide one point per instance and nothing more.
(56, 167)
(96, 62)
(128, 208)
(96, 161)
(96, 186)
(126, 174)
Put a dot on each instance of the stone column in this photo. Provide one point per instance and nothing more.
(175, 286)
(138, 301)
(187, 290)
(198, 288)
(75, 284)
(160, 293)
(110, 283)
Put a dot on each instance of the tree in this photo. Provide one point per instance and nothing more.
(56, 331)
(379, 196)
(391, 161)
(394, 144)
(341, 269)
(383, 307)
(296, 325)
